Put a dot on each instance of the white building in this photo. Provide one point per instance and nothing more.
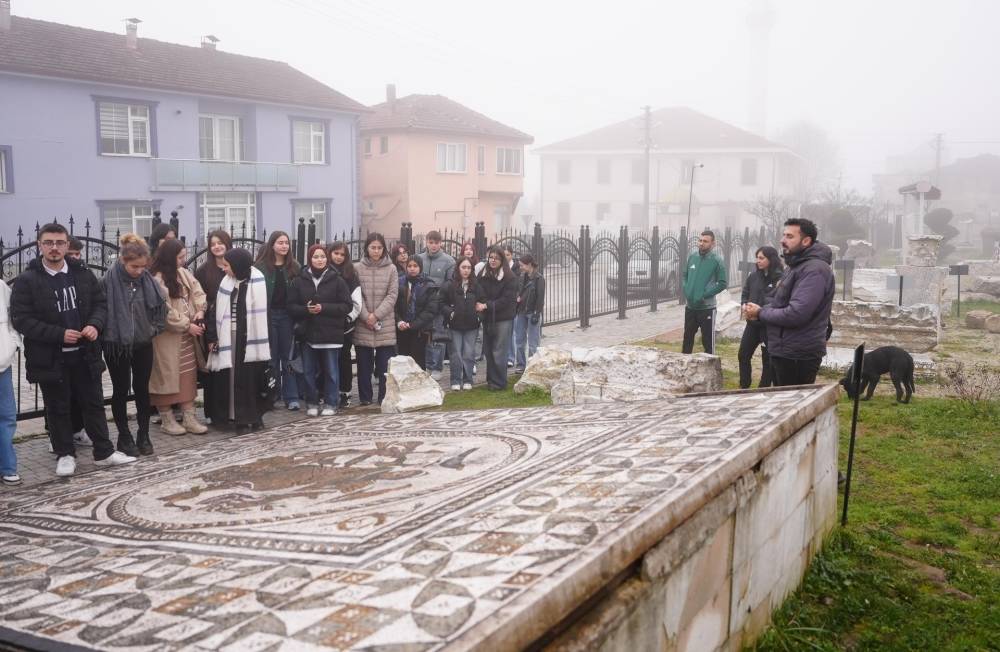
(597, 178)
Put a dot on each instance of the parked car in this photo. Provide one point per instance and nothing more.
(639, 281)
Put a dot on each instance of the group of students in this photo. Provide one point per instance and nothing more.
(246, 329)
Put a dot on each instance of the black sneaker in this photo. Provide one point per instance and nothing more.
(127, 445)
(345, 400)
(363, 403)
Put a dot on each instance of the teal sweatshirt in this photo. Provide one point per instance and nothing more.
(704, 277)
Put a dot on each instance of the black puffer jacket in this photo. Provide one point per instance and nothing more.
(798, 315)
(424, 299)
(459, 306)
(759, 288)
(34, 314)
(332, 294)
(499, 295)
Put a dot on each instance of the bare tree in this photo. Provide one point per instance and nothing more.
(820, 156)
(773, 210)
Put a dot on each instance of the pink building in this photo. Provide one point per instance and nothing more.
(429, 160)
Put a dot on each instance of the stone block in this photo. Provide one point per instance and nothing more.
(544, 369)
(977, 319)
(993, 324)
(871, 285)
(727, 314)
(861, 252)
(922, 250)
(634, 373)
(408, 387)
(986, 285)
(915, 328)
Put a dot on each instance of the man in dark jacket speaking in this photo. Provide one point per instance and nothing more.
(798, 316)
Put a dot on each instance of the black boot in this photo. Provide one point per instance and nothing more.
(144, 444)
(127, 445)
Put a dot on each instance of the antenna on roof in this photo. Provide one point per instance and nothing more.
(209, 41)
(132, 33)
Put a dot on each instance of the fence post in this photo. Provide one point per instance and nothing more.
(538, 246)
(300, 241)
(480, 240)
(583, 282)
(682, 257)
(622, 272)
(311, 232)
(155, 222)
(654, 269)
(175, 223)
(406, 235)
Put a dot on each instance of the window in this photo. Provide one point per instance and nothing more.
(311, 210)
(368, 147)
(308, 142)
(748, 172)
(124, 129)
(234, 212)
(562, 216)
(687, 169)
(637, 219)
(565, 169)
(638, 171)
(501, 217)
(6, 170)
(451, 157)
(481, 159)
(383, 145)
(603, 171)
(508, 160)
(219, 138)
(126, 218)
(603, 211)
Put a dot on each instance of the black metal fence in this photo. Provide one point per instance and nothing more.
(587, 274)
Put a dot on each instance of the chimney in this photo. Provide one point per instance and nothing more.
(390, 95)
(132, 33)
(209, 41)
(4, 15)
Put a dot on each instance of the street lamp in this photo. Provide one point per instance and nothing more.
(690, 199)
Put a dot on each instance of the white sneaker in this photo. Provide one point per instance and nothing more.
(475, 369)
(436, 375)
(66, 465)
(456, 388)
(115, 459)
(467, 386)
(82, 439)
(51, 449)
(328, 412)
(312, 412)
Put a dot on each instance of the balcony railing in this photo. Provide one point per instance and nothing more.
(247, 176)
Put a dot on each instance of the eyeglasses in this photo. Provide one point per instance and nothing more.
(54, 243)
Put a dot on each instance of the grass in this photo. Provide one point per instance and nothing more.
(481, 398)
(969, 306)
(918, 566)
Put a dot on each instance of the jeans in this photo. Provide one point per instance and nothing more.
(81, 381)
(753, 336)
(695, 319)
(496, 341)
(526, 338)
(788, 372)
(327, 361)
(511, 345)
(369, 360)
(8, 423)
(280, 336)
(134, 372)
(434, 354)
(463, 356)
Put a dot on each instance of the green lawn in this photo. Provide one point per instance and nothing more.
(969, 306)
(481, 398)
(918, 566)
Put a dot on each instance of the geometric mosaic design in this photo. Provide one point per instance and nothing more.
(404, 532)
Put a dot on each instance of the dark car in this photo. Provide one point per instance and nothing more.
(639, 281)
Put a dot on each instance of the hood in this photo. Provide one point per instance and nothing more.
(818, 250)
(37, 265)
(382, 262)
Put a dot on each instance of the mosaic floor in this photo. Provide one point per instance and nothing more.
(409, 532)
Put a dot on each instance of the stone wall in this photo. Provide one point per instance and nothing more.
(713, 582)
(915, 328)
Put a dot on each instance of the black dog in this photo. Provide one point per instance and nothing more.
(884, 359)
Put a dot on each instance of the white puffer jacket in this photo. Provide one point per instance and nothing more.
(10, 341)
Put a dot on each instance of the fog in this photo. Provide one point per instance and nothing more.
(881, 78)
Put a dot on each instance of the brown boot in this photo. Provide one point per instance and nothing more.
(168, 423)
(191, 424)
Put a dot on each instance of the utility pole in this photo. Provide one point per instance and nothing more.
(938, 138)
(647, 142)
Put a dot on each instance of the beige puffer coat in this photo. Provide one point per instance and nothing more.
(166, 375)
(379, 289)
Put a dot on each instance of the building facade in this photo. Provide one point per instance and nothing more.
(109, 128)
(429, 160)
(599, 178)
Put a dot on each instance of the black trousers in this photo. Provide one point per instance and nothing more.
(699, 319)
(346, 364)
(753, 336)
(80, 381)
(789, 372)
(134, 372)
(413, 344)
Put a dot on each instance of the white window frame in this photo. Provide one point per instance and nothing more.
(228, 206)
(311, 210)
(481, 159)
(134, 217)
(448, 155)
(600, 216)
(509, 161)
(315, 132)
(383, 145)
(366, 147)
(237, 136)
(132, 122)
(3, 171)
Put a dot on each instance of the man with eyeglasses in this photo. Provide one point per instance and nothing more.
(59, 307)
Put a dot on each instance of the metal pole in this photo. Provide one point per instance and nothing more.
(900, 289)
(690, 199)
(859, 356)
(959, 295)
(648, 143)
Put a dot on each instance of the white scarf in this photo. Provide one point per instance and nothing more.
(258, 348)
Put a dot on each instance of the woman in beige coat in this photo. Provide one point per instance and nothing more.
(375, 334)
(174, 378)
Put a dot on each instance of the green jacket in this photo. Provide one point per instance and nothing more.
(704, 277)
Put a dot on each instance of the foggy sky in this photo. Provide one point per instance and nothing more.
(880, 76)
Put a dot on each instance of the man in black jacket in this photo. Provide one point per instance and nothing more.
(59, 307)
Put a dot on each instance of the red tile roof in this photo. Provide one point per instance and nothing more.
(673, 128)
(436, 113)
(38, 47)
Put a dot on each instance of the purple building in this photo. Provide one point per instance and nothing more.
(109, 127)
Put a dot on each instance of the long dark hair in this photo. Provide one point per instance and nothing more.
(456, 277)
(775, 266)
(488, 271)
(347, 269)
(474, 257)
(396, 248)
(372, 237)
(165, 264)
(267, 256)
(159, 233)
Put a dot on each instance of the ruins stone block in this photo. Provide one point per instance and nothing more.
(993, 324)
(408, 387)
(986, 285)
(915, 328)
(861, 252)
(922, 250)
(977, 319)
(544, 369)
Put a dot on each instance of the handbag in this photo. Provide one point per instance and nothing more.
(267, 384)
(295, 363)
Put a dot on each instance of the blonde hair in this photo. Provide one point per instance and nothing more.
(132, 246)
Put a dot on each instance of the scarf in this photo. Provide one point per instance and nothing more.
(258, 348)
(127, 327)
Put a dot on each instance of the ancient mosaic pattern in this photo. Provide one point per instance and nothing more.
(357, 532)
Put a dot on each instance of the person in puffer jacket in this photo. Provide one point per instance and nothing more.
(798, 316)
(462, 303)
(9, 344)
(758, 288)
(416, 310)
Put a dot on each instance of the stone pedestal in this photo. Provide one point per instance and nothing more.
(922, 250)
(914, 328)
(408, 387)
(925, 285)
(861, 252)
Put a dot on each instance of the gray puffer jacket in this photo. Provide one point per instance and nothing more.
(798, 315)
(379, 289)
